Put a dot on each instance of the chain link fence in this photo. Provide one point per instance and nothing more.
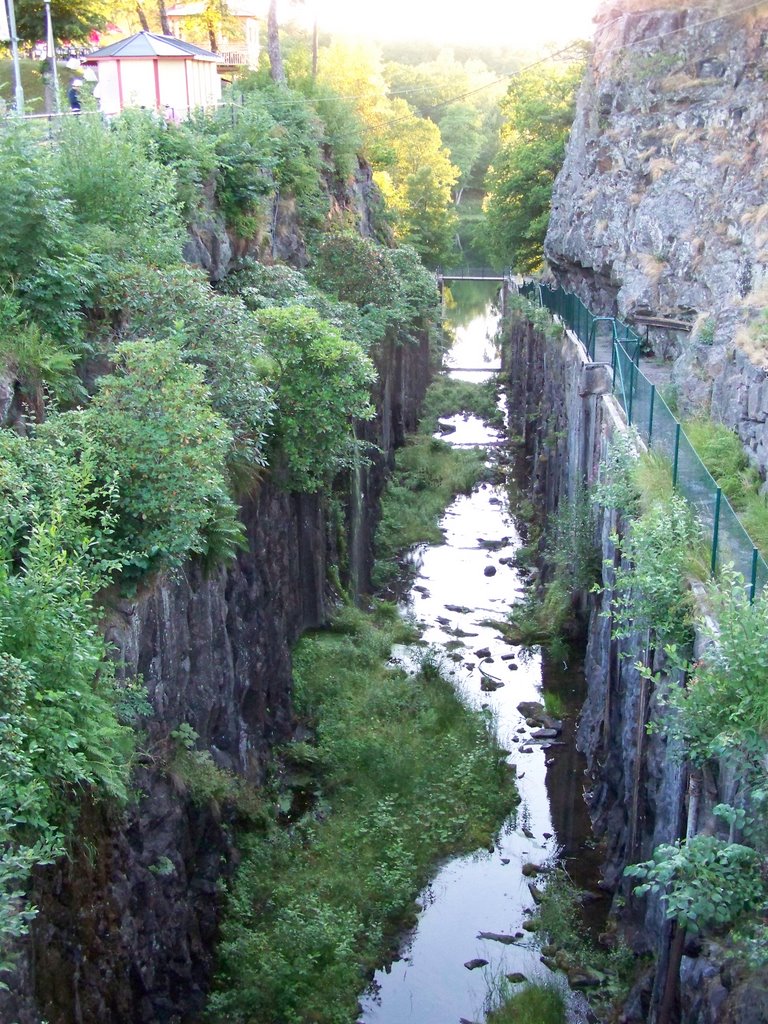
(609, 338)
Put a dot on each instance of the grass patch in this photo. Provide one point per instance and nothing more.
(722, 453)
(408, 774)
(554, 704)
(537, 1002)
(31, 82)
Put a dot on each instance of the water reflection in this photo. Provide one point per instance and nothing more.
(463, 586)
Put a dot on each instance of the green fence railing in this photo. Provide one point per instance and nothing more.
(649, 414)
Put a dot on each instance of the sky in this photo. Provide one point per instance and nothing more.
(516, 24)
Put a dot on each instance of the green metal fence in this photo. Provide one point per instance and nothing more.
(649, 414)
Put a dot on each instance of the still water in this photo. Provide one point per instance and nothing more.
(456, 603)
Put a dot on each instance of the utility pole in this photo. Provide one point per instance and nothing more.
(15, 55)
(50, 44)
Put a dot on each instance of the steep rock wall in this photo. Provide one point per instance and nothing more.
(660, 205)
(126, 929)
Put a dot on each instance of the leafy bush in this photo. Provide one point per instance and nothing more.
(356, 270)
(165, 448)
(724, 708)
(42, 365)
(650, 590)
(220, 334)
(59, 731)
(703, 882)
(115, 183)
(321, 383)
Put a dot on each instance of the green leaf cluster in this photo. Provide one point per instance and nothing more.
(703, 882)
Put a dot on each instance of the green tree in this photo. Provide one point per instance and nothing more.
(417, 183)
(539, 111)
(72, 19)
(321, 383)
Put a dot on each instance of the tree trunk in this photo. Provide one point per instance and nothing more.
(165, 25)
(673, 971)
(276, 69)
(142, 18)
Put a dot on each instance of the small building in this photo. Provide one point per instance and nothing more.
(238, 35)
(157, 72)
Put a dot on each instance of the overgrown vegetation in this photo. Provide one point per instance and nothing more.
(403, 773)
(705, 882)
(147, 400)
(608, 971)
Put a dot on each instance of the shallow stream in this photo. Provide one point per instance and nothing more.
(463, 585)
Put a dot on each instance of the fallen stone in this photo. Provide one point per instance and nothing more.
(581, 978)
(458, 608)
(472, 965)
(489, 570)
(508, 657)
(543, 734)
(536, 892)
(446, 428)
(515, 978)
(526, 750)
(527, 833)
(443, 621)
(497, 937)
(530, 870)
(547, 835)
(513, 666)
(489, 684)
(515, 739)
(551, 964)
(530, 708)
(483, 652)
(505, 860)
(530, 926)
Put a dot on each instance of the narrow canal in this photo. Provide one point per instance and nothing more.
(462, 586)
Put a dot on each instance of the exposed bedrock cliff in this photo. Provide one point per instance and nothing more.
(660, 204)
(127, 928)
(213, 247)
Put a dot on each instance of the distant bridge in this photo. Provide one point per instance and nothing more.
(472, 274)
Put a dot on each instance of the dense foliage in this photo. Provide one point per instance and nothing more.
(146, 400)
(538, 113)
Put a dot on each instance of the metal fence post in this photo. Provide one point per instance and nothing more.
(631, 392)
(753, 585)
(716, 529)
(677, 454)
(650, 414)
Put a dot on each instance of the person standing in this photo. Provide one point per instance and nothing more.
(73, 95)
